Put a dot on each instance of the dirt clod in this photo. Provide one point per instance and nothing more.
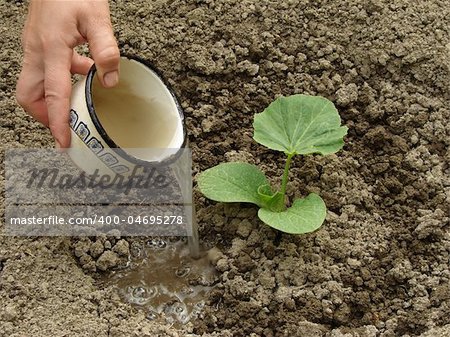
(107, 260)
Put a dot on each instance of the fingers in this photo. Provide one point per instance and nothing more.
(44, 85)
(80, 64)
(30, 90)
(104, 50)
(57, 87)
(30, 86)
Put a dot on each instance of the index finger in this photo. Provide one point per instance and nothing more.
(58, 87)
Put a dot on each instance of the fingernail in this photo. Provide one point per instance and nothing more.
(111, 79)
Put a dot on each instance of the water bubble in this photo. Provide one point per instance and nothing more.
(136, 249)
(197, 308)
(140, 292)
(199, 305)
(139, 295)
(203, 281)
(183, 271)
(152, 292)
(180, 312)
(179, 308)
(151, 315)
(157, 243)
(143, 293)
(184, 319)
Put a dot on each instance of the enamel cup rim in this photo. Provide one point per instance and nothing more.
(109, 141)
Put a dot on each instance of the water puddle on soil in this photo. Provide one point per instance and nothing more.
(164, 280)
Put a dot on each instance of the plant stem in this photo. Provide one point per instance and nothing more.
(285, 175)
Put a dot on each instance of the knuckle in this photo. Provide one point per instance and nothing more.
(100, 21)
(53, 99)
(49, 44)
(54, 88)
(51, 95)
(108, 56)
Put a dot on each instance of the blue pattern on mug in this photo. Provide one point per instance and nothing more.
(73, 118)
(95, 145)
(120, 169)
(109, 159)
(82, 131)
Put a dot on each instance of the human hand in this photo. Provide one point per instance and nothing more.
(52, 30)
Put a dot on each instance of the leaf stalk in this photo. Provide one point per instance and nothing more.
(285, 175)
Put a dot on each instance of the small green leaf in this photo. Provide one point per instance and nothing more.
(232, 182)
(270, 200)
(304, 216)
(300, 124)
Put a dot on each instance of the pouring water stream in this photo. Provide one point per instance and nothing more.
(182, 169)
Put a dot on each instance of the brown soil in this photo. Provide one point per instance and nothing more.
(380, 265)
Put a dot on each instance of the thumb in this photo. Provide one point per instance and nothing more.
(104, 51)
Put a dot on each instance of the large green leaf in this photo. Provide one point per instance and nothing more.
(232, 182)
(300, 124)
(304, 216)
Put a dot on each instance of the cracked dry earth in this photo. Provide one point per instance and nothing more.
(380, 264)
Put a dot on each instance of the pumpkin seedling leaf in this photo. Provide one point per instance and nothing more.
(304, 216)
(300, 124)
(233, 182)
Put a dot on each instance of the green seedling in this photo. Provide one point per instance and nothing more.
(295, 125)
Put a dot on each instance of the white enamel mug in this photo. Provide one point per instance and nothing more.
(139, 122)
